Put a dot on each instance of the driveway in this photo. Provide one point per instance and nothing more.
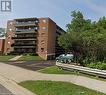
(17, 74)
(32, 65)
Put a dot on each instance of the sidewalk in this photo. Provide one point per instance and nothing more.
(13, 87)
(15, 58)
(4, 91)
(18, 74)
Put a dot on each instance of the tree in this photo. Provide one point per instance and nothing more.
(86, 40)
(101, 24)
(78, 23)
(66, 40)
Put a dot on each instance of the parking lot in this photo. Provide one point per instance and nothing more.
(32, 65)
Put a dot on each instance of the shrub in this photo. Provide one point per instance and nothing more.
(97, 65)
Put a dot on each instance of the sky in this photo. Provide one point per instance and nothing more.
(57, 10)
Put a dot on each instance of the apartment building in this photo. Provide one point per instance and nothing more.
(33, 35)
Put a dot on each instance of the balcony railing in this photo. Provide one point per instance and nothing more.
(26, 23)
(32, 32)
(26, 36)
(24, 47)
(23, 44)
(19, 50)
(30, 39)
(26, 30)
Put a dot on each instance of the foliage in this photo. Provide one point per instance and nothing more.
(85, 39)
(78, 23)
(97, 65)
(54, 70)
(6, 57)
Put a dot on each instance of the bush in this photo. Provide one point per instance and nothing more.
(97, 65)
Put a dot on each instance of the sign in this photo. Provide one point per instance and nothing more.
(6, 6)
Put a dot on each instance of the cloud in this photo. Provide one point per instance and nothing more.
(95, 8)
(58, 10)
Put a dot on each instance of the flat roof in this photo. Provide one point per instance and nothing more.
(19, 19)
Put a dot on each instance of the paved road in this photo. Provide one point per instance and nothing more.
(4, 91)
(17, 74)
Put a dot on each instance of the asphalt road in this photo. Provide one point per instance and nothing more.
(4, 91)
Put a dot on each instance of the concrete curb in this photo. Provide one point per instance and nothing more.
(13, 87)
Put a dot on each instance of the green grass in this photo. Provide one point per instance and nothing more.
(56, 70)
(6, 57)
(57, 88)
(30, 58)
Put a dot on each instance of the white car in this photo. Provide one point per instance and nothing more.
(65, 58)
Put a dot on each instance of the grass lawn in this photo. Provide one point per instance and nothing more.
(56, 70)
(6, 57)
(30, 58)
(57, 88)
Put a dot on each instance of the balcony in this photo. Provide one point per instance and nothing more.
(23, 44)
(26, 30)
(33, 32)
(21, 24)
(24, 37)
(25, 50)
(24, 47)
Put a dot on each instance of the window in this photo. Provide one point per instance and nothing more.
(11, 23)
(36, 21)
(42, 42)
(36, 28)
(44, 21)
(42, 49)
(8, 42)
(29, 28)
(44, 28)
(42, 34)
(10, 29)
(15, 35)
(9, 36)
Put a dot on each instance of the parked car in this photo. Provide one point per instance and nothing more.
(65, 58)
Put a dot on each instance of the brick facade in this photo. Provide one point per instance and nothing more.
(33, 35)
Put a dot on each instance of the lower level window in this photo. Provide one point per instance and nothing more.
(42, 49)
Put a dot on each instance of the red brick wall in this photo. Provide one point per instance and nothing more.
(2, 45)
(8, 40)
(46, 38)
